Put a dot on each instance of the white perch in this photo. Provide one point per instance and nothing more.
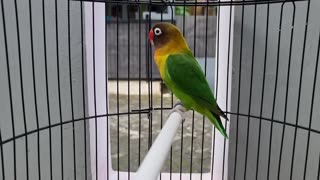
(154, 160)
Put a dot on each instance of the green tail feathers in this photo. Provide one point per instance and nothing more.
(216, 121)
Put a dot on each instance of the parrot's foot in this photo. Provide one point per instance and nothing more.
(179, 108)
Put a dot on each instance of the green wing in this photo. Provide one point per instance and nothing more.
(187, 75)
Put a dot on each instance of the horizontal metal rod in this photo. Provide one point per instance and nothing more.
(154, 160)
(181, 3)
(146, 111)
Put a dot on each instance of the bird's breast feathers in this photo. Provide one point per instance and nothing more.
(161, 60)
(161, 55)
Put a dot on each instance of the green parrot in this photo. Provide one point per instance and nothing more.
(182, 74)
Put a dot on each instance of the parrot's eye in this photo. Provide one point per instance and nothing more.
(157, 31)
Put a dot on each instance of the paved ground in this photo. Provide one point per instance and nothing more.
(139, 146)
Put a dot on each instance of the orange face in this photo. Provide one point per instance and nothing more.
(167, 37)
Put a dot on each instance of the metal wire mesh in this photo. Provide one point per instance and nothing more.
(80, 96)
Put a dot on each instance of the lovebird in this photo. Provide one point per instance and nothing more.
(182, 74)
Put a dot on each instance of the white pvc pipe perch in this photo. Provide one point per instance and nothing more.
(154, 160)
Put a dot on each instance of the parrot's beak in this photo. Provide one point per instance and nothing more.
(151, 36)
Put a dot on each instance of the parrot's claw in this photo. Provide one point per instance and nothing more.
(179, 108)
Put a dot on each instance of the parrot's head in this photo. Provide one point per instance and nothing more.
(164, 34)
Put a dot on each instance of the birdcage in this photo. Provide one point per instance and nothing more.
(82, 99)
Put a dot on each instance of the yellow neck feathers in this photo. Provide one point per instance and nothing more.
(172, 47)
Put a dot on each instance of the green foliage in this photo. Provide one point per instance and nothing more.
(180, 10)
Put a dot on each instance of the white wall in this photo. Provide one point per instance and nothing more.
(239, 126)
(40, 80)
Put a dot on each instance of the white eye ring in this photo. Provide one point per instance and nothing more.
(157, 31)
